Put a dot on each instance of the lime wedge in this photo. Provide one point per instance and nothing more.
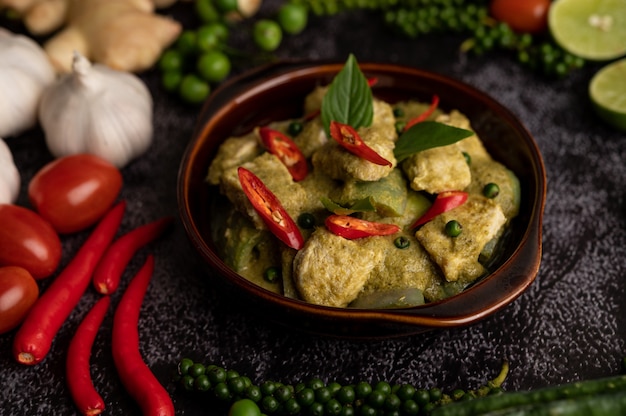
(591, 29)
(607, 90)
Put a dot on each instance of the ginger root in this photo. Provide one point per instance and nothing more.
(123, 34)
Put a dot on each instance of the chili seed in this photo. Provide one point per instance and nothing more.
(453, 228)
(491, 190)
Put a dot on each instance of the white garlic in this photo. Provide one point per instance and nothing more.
(24, 73)
(97, 110)
(9, 176)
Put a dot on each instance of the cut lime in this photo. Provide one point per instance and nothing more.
(607, 90)
(592, 29)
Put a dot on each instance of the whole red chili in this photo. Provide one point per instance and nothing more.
(270, 209)
(445, 201)
(352, 228)
(350, 140)
(85, 396)
(108, 273)
(286, 150)
(34, 338)
(135, 375)
(418, 119)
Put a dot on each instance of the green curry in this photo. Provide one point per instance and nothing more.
(410, 267)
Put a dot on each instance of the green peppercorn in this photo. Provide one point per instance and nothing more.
(236, 385)
(271, 274)
(202, 383)
(283, 393)
(196, 370)
(221, 391)
(392, 402)
(306, 220)
(453, 228)
(184, 365)
(316, 383)
(398, 112)
(332, 407)
(405, 392)
(491, 190)
(187, 382)
(305, 397)
(292, 407)
(295, 128)
(362, 389)
(253, 393)
(322, 395)
(410, 407)
(269, 404)
(401, 242)
(216, 375)
(345, 394)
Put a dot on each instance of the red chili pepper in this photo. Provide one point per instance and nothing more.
(87, 399)
(286, 150)
(270, 209)
(418, 119)
(34, 338)
(108, 273)
(135, 375)
(445, 201)
(372, 81)
(350, 140)
(351, 228)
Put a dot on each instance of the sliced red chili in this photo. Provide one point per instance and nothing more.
(350, 140)
(270, 209)
(418, 119)
(372, 81)
(445, 201)
(351, 228)
(286, 150)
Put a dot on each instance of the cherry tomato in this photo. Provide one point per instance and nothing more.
(525, 16)
(352, 228)
(28, 241)
(18, 292)
(74, 192)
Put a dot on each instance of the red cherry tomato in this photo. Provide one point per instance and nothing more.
(74, 192)
(18, 292)
(526, 16)
(28, 241)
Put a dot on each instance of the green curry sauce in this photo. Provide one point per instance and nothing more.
(413, 266)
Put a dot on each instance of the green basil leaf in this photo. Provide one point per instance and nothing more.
(362, 205)
(426, 135)
(348, 99)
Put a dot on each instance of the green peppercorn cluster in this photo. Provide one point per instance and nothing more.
(538, 53)
(316, 397)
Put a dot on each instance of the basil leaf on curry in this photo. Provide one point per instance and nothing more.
(349, 98)
(426, 135)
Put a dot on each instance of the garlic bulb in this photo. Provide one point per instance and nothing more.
(97, 110)
(9, 176)
(24, 73)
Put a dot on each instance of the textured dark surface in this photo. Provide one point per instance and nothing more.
(569, 325)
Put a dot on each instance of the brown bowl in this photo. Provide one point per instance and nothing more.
(276, 92)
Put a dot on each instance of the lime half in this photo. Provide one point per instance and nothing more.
(592, 29)
(607, 90)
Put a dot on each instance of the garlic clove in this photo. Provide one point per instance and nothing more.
(9, 176)
(24, 73)
(97, 110)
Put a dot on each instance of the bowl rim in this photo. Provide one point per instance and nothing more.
(432, 315)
